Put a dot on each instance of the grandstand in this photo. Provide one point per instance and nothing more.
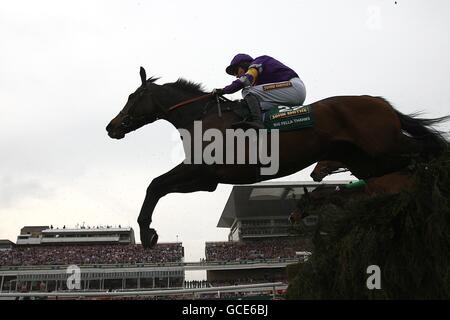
(36, 235)
(261, 211)
(108, 258)
(6, 244)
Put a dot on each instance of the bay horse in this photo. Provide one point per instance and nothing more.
(388, 184)
(363, 132)
(322, 195)
(391, 183)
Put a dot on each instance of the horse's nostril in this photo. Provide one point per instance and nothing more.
(108, 127)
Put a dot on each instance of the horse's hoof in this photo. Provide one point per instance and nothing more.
(149, 238)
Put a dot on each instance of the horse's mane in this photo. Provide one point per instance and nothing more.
(152, 79)
(187, 85)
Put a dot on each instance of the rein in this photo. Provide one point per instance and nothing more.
(186, 102)
(189, 101)
(128, 118)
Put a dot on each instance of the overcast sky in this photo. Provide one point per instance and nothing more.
(67, 67)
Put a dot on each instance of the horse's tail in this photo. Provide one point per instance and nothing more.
(422, 129)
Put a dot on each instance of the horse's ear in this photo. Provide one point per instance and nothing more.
(143, 76)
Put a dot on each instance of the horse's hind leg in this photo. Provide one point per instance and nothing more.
(183, 179)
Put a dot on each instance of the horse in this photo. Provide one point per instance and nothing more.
(365, 133)
(389, 184)
(325, 168)
(323, 195)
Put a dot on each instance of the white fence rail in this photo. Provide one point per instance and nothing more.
(273, 286)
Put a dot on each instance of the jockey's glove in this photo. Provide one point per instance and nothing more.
(217, 92)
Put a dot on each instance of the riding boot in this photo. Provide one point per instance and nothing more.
(254, 119)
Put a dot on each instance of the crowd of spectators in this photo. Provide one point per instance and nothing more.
(91, 254)
(255, 250)
(162, 253)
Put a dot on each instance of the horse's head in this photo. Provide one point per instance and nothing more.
(324, 168)
(301, 210)
(139, 110)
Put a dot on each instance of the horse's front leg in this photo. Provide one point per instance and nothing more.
(183, 178)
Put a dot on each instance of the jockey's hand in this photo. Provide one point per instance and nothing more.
(217, 92)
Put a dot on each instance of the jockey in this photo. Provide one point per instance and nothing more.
(266, 83)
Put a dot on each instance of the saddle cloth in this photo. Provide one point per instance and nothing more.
(287, 118)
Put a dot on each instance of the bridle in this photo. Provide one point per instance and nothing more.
(128, 120)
